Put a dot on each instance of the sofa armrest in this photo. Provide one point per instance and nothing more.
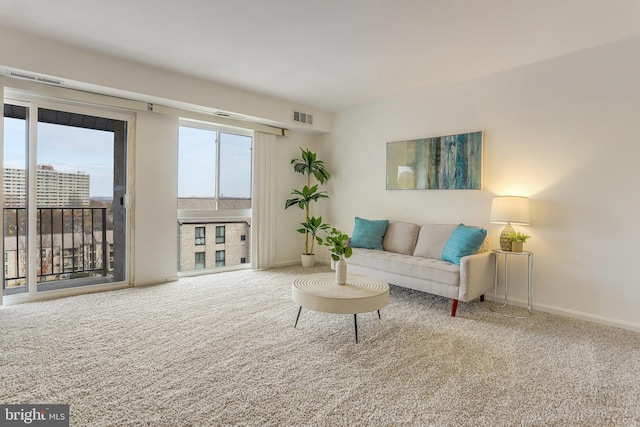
(477, 275)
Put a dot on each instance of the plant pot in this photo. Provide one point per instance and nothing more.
(516, 246)
(341, 272)
(308, 260)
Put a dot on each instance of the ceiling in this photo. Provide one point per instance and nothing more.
(329, 54)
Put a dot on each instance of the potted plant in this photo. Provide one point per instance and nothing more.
(309, 165)
(517, 240)
(338, 244)
(311, 228)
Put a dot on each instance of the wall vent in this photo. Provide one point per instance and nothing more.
(300, 117)
(34, 78)
(228, 115)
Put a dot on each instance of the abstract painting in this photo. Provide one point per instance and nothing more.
(452, 162)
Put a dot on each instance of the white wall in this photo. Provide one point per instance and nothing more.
(563, 132)
(154, 199)
(95, 71)
(290, 243)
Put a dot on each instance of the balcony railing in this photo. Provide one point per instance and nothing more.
(72, 242)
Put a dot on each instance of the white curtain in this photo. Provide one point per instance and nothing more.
(263, 205)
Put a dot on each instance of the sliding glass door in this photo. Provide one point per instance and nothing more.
(64, 190)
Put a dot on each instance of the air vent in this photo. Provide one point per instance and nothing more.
(300, 117)
(34, 78)
(228, 115)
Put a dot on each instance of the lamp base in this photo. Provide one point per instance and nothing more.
(505, 243)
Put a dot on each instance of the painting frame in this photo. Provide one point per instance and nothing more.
(449, 162)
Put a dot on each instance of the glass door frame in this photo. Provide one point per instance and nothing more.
(33, 102)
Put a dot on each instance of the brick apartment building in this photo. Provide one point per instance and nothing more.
(211, 243)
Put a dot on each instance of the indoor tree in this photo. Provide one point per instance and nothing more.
(309, 165)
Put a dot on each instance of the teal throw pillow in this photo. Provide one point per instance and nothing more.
(463, 241)
(369, 233)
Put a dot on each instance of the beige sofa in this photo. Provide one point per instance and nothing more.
(412, 258)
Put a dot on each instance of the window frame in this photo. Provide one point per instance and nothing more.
(220, 237)
(220, 258)
(200, 240)
(219, 215)
(226, 130)
(203, 255)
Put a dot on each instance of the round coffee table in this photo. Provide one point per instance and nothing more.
(320, 293)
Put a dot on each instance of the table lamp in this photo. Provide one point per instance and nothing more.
(509, 210)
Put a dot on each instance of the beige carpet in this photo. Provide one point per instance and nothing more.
(221, 350)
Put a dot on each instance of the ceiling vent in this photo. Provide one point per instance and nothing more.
(34, 77)
(300, 117)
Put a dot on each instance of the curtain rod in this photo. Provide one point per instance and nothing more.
(87, 97)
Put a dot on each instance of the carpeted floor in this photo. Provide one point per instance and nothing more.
(221, 350)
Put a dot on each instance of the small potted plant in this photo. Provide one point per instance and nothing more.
(338, 244)
(517, 240)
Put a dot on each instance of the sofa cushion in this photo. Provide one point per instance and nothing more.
(369, 233)
(401, 237)
(464, 241)
(432, 239)
(434, 270)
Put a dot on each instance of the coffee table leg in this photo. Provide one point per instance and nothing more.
(379, 315)
(298, 316)
(355, 322)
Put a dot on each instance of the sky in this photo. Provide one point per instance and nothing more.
(67, 149)
(71, 149)
(196, 164)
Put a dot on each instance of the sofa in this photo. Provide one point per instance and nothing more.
(448, 260)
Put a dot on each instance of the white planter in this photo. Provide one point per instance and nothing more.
(308, 260)
(341, 272)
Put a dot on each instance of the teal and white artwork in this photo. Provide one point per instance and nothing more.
(452, 162)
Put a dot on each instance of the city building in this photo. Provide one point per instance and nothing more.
(61, 256)
(54, 188)
(205, 245)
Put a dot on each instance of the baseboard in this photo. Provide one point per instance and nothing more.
(291, 263)
(579, 315)
(156, 282)
(63, 293)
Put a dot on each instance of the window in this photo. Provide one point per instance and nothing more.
(220, 233)
(200, 239)
(243, 260)
(214, 168)
(214, 191)
(219, 258)
(200, 260)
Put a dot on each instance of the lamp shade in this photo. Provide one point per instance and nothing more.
(510, 210)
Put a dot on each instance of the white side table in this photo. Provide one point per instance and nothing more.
(507, 254)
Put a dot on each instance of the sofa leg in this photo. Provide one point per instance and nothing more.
(454, 307)
(482, 298)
